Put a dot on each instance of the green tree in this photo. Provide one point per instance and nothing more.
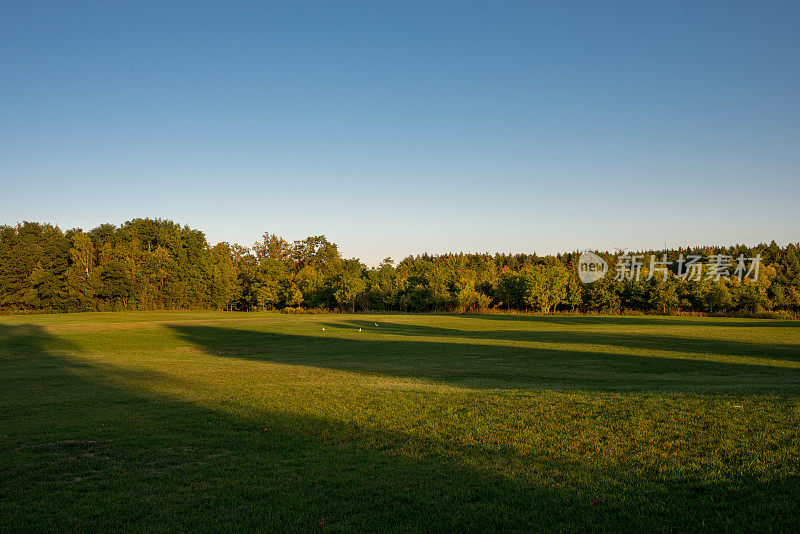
(545, 286)
(349, 285)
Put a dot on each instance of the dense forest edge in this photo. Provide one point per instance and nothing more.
(154, 264)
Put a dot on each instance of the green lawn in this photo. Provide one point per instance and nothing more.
(205, 420)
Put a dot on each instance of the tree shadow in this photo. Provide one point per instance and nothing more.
(484, 365)
(91, 446)
(638, 320)
(640, 340)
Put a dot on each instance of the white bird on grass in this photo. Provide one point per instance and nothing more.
(323, 328)
(376, 324)
(359, 330)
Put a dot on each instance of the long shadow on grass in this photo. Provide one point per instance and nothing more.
(628, 320)
(91, 446)
(485, 365)
(789, 352)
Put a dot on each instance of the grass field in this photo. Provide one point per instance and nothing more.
(183, 420)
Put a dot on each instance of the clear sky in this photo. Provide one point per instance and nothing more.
(403, 127)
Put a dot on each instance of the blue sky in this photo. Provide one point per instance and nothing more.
(397, 128)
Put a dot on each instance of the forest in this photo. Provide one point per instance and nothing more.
(154, 264)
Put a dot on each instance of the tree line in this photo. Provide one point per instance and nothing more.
(148, 264)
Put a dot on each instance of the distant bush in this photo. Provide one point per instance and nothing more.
(298, 310)
(777, 314)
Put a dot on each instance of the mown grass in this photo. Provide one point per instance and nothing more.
(173, 420)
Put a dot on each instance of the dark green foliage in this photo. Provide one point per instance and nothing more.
(148, 264)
